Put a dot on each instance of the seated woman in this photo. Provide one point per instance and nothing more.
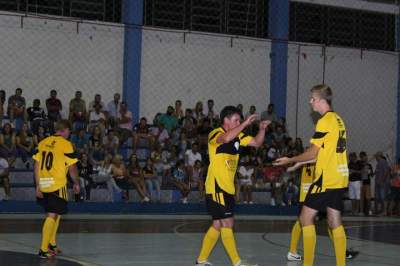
(119, 173)
(246, 176)
(102, 174)
(25, 143)
(180, 180)
(135, 175)
(152, 181)
(8, 147)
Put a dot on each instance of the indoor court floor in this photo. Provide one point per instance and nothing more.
(93, 240)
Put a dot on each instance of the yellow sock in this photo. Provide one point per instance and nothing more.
(339, 241)
(309, 239)
(296, 233)
(53, 241)
(209, 241)
(228, 240)
(47, 231)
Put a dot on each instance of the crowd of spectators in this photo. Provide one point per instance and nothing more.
(170, 150)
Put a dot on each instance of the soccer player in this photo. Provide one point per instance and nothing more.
(306, 179)
(224, 145)
(328, 147)
(54, 159)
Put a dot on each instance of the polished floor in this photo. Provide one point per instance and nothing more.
(93, 240)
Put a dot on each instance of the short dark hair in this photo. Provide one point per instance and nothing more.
(363, 154)
(62, 124)
(228, 111)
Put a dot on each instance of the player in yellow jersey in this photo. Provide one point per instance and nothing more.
(55, 158)
(223, 147)
(306, 179)
(328, 147)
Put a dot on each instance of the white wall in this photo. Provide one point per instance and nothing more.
(202, 68)
(365, 93)
(49, 54)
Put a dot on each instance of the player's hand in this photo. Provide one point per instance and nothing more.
(76, 188)
(282, 161)
(250, 119)
(264, 124)
(39, 193)
(293, 168)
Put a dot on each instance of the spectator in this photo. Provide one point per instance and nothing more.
(252, 111)
(125, 123)
(246, 178)
(191, 156)
(54, 107)
(213, 118)
(102, 174)
(80, 141)
(153, 185)
(96, 148)
(178, 113)
(366, 175)
(135, 174)
(279, 136)
(197, 180)
(180, 180)
(210, 106)
(16, 108)
(4, 177)
(85, 176)
(113, 108)
(269, 114)
(198, 111)
(142, 135)
(36, 116)
(188, 119)
(298, 144)
(111, 143)
(41, 134)
(355, 169)
(168, 119)
(97, 118)
(291, 192)
(273, 175)
(2, 102)
(25, 143)
(8, 144)
(382, 183)
(97, 101)
(203, 129)
(119, 173)
(77, 111)
(394, 203)
(160, 134)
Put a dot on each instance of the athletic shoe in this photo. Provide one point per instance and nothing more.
(243, 263)
(45, 254)
(206, 263)
(293, 257)
(351, 254)
(54, 249)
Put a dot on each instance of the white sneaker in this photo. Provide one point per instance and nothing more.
(243, 263)
(273, 202)
(206, 263)
(244, 202)
(293, 257)
(250, 202)
(185, 201)
(146, 199)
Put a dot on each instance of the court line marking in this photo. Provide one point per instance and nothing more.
(68, 258)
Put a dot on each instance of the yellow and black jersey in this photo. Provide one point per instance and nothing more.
(55, 154)
(306, 179)
(331, 170)
(223, 161)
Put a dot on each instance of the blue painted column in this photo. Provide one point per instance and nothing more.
(398, 89)
(279, 33)
(132, 17)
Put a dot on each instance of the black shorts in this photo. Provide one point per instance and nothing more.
(220, 205)
(53, 203)
(331, 198)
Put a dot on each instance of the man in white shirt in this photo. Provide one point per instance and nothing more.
(113, 109)
(191, 156)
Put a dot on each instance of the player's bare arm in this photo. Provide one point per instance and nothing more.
(258, 140)
(310, 154)
(73, 172)
(230, 134)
